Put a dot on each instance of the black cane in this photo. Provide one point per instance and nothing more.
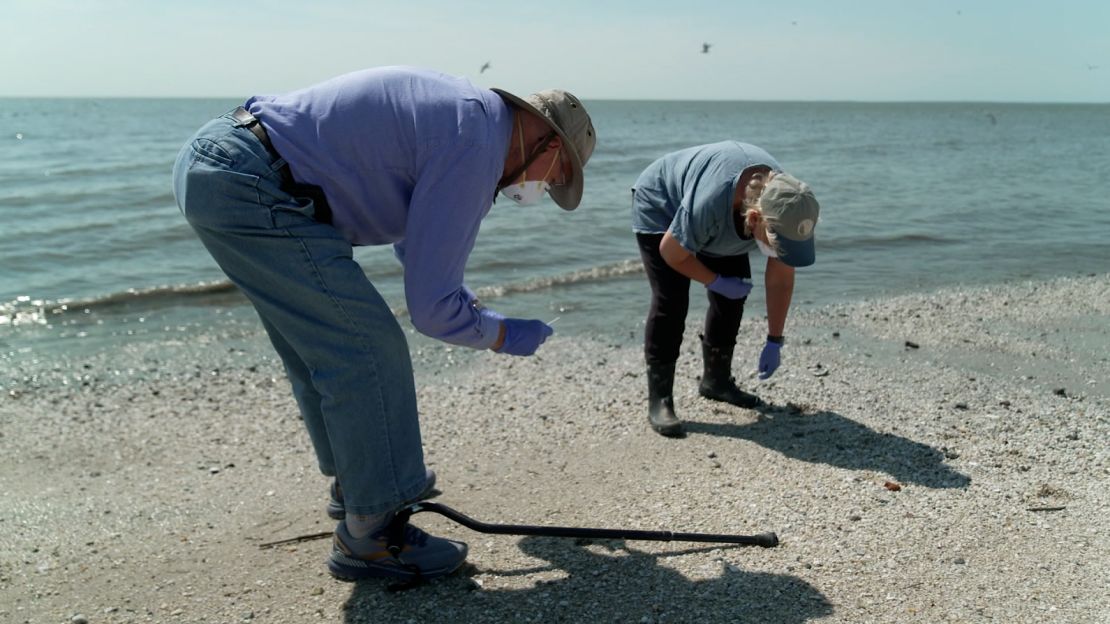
(397, 527)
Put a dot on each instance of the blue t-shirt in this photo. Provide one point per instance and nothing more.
(408, 157)
(690, 193)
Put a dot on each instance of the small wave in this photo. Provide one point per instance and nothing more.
(592, 274)
(882, 241)
(152, 294)
(581, 276)
(27, 311)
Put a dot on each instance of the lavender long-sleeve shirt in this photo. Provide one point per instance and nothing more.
(408, 157)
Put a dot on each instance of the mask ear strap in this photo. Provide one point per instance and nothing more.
(539, 149)
(554, 161)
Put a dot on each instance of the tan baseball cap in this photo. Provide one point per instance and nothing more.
(795, 210)
(569, 119)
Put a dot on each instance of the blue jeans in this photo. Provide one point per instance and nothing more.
(344, 352)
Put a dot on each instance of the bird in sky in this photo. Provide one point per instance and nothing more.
(485, 66)
(1091, 67)
(705, 48)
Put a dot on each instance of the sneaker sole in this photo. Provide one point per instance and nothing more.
(348, 569)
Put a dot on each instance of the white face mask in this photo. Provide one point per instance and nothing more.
(527, 193)
(767, 251)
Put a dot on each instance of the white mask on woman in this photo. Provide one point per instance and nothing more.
(766, 249)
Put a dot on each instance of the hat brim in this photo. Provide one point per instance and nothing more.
(569, 195)
(796, 253)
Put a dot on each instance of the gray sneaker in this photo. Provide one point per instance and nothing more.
(422, 557)
(336, 510)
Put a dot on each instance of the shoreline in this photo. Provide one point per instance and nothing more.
(224, 332)
(134, 495)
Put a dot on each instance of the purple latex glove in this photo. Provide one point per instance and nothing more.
(769, 359)
(731, 287)
(523, 337)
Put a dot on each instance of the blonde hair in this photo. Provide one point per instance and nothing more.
(752, 196)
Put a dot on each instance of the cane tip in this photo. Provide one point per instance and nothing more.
(767, 540)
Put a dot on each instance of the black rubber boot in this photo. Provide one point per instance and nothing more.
(717, 382)
(661, 401)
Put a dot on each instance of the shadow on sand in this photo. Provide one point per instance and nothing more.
(605, 582)
(828, 438)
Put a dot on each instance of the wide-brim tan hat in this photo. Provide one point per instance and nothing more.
(569, 119)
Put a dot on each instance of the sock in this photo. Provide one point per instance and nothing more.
(359, 526)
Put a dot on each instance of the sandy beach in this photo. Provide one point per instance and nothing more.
(939, 457)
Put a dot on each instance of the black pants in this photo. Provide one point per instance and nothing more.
(670, 300)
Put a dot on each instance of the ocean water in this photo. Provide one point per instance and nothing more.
(94, 254)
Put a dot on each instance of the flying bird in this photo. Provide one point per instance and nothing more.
(485, 66)
(705, 48)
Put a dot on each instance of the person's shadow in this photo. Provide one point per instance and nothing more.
(829, 438)
(627, 585)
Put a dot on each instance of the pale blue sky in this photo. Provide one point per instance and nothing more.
(871, 50)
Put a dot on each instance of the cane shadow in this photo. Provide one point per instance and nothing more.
(827, 437)
(617, 584)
